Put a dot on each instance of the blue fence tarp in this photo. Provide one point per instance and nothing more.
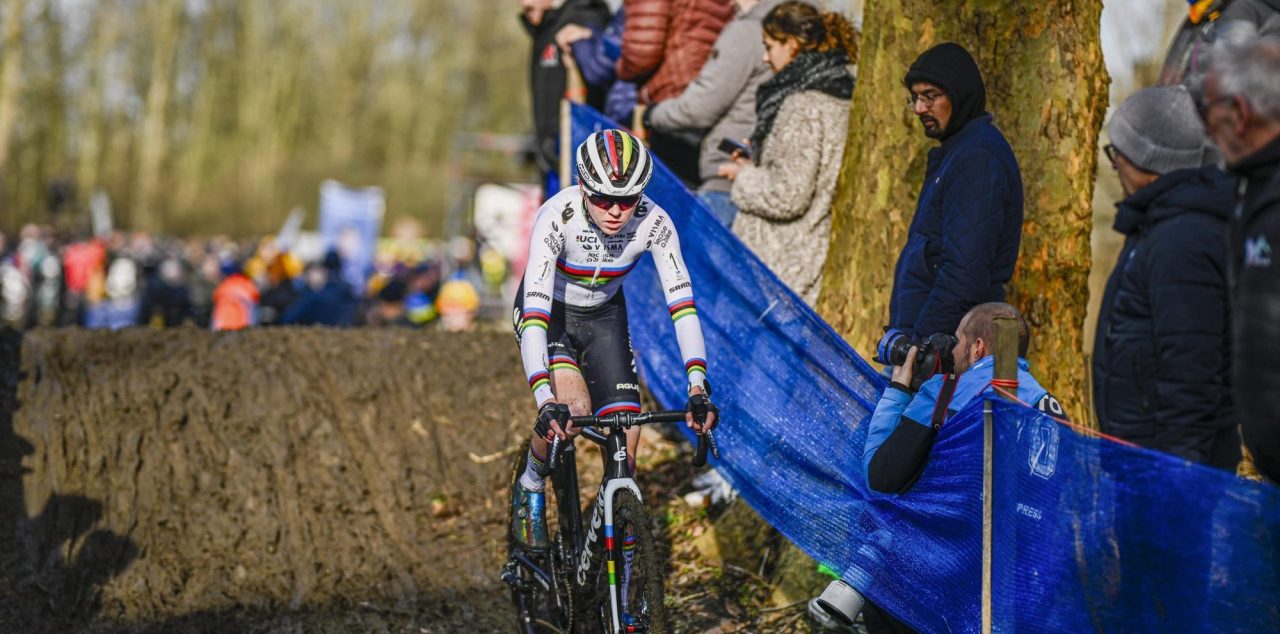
(1089, 534)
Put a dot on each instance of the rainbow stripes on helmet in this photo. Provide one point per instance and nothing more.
(613, 163)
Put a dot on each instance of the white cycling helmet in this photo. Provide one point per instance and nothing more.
(614, 163)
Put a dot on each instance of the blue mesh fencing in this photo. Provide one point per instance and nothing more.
(1089, 534)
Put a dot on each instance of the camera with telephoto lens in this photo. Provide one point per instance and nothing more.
(933, 356)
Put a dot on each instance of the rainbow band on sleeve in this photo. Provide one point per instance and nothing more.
(614, 408)
(534, 318)
(695, 365)
(588, 276)
(564, 362)
(539, 379)
(682, 308)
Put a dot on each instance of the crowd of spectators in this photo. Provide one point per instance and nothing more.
(745, 101)
(136, 279)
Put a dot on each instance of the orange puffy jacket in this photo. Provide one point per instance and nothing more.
(666, 42)
(235, 303)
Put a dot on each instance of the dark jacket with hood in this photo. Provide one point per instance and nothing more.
(1255, 236)
(963, 241)
(547, 74)
(1161, 355)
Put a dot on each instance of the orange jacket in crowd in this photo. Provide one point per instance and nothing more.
(666, 42)
(235, 303)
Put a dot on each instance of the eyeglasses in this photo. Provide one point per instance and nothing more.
(1204, 108)
(1111, 152)
(605, 202)
(925, 98)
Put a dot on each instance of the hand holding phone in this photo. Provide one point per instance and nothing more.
(729, 146)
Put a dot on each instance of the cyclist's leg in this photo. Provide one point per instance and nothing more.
(528, 525)
(609, 367)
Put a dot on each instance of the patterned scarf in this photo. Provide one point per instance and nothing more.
(811, 70)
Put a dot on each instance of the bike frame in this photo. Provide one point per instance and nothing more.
(576, 541)
(583, 537)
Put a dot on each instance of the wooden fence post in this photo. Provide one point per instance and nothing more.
(1005, 377)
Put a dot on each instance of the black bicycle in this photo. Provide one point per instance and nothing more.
(605, 575)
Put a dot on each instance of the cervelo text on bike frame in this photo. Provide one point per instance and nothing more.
(604, 506)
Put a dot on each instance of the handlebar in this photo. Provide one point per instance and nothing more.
(620, 421)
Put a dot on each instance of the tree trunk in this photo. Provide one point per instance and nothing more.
(10, 74)
(1047, 87)
(92, 130)
(166, 27)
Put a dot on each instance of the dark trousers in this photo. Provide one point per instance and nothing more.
(878, 621)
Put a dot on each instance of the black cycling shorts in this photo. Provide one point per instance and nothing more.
(596, 343)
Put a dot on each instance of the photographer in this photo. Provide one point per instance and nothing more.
(914, 407)
(931, 380)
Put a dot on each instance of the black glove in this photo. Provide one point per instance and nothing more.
(550, 411)
(699, 405)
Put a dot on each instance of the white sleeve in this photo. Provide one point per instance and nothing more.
(546, 243)
(664, 244)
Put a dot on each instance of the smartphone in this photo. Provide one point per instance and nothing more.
(729, 146)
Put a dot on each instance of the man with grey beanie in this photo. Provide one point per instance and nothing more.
(1161, 358)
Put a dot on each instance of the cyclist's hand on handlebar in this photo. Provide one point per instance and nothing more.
(553, 421)
(701, 414)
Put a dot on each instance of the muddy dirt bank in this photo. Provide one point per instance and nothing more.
(193, 478)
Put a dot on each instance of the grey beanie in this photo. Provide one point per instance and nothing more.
(1159, 131)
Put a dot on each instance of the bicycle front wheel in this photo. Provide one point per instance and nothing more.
(630, 583)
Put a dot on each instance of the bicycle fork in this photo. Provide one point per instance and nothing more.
(618, 477)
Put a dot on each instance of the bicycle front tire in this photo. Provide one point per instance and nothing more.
(643, 601)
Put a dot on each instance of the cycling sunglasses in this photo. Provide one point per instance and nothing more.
(605, 202)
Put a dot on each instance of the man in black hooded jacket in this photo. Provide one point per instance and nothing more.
(547, 79)
(963, 241)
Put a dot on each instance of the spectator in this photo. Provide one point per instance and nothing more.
(1241, 112)
(282, 290)
(420, 303)
(115, 304)
(543, 19)
(664, 45)
(963, 241)
(905, 424)
(328, 300)
(235, 300)
(596, 52)
(1161, 357)
(389, 307)
(1205, 20)
(458, 303)
(802, 112)
(165, 302)
(722, 100)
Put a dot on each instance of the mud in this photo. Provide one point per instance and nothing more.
(267, 480)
